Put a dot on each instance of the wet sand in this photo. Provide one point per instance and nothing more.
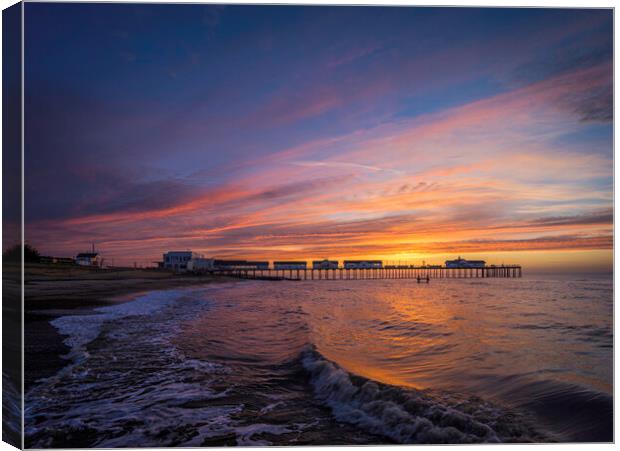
(54, 290)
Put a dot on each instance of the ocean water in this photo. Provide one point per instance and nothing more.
(336, 362)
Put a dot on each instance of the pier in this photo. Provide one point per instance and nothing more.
(420, 273)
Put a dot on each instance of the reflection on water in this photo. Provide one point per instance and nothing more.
(337, 362)
(457, 334)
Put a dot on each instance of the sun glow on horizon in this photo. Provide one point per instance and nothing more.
(375, 147)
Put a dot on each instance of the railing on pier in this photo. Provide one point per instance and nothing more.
(420, 273)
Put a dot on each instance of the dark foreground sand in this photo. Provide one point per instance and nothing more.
(53, 290)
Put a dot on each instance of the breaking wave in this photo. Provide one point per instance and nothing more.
(11, 411)
(244, 365)
(126, 383)
(82, 329)
(412, 416)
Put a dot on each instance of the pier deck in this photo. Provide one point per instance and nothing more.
(374, 273)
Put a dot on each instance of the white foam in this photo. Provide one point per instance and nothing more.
(269, 407)
(405, 416)
(83, 329)
(134, 386)
(245, 433)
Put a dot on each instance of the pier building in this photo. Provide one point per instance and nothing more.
(289, 265)
(363, 264)
(462, 263)
(325, 264)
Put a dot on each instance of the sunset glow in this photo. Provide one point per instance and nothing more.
(305, 132)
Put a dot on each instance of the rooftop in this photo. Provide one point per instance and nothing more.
(87, 255)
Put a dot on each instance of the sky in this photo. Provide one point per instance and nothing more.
(274, 132)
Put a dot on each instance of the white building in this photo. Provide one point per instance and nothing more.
(462, 263)
(178, 260)
(88, 259)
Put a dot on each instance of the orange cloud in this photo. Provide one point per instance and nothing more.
(484, 177)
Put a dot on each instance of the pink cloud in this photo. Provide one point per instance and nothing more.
(473, 177)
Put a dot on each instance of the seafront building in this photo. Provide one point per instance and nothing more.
(88, 259)
(91, 258)
(178, 260)
(201, 264)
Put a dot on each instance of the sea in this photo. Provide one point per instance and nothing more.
(336, 362)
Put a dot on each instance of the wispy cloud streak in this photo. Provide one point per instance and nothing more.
(273, 144)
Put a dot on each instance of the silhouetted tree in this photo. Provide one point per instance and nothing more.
(14, 254)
